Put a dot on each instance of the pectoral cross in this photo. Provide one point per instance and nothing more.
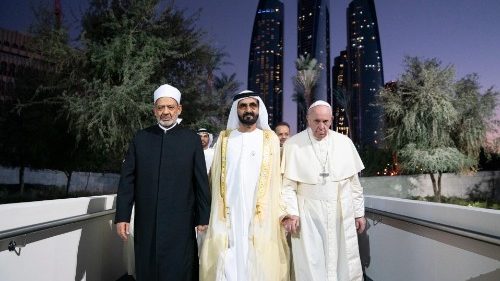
(324, 174)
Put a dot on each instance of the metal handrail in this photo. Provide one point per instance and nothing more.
(484, 237)
(16, 232)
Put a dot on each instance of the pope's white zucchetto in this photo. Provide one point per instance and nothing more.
(320, 102)
(168, 91)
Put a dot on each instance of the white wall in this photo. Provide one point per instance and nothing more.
(405, 186)
(105, 183)
(83, 251)
(397, 250)
(402, 186)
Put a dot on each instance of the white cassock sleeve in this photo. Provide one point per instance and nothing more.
(289, 197)
(357, 197)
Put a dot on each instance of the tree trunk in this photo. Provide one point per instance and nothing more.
(436, 188)
(21, 179)
(439, 186)
(348, 113)
(307, 98)
(87, 183)
(68, 183)
(395, 164)
(349, 125)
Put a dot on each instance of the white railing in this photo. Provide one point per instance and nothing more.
(414, 240)
(67, 239)
(74, 239)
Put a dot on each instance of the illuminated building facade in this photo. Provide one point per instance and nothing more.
(15, 57)
(313, 39)
(365, 74)
(265, 67)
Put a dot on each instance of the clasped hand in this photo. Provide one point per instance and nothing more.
(201, 228)
(291, 224)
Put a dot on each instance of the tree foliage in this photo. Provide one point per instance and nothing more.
(435, 124)
(215, 105)
(472, 106)
(35, 132)
(131, 47)
(100, 86)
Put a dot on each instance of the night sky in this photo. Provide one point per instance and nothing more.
(464, 33)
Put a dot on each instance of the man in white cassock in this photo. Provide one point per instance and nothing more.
(324, 200)
(245, 240)
(206, 141)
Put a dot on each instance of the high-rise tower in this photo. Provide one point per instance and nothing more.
(313, 39)
(365, 75)
(265, 66)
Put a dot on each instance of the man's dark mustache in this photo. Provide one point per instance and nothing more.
(248, 121)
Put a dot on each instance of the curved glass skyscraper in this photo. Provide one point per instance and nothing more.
(265, 66)
(365, 75)
(313, 38)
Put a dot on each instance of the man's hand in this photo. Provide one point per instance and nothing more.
(360, 224)
(291, 224)
(201, 228)
(122, 228)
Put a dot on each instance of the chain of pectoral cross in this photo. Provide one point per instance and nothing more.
(323, 173)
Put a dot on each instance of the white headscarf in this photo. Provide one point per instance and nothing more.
(233, 122)
(210, 136)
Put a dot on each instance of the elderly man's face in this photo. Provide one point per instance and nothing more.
(205, 138)
(248, 111)
(283, 133)
(166, 111)
(319, 119)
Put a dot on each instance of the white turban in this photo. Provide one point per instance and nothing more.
(168, 91)
(233, 122)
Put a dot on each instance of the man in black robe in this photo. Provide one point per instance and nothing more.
(164, 175)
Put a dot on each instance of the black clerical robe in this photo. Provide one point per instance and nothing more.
(164, 174)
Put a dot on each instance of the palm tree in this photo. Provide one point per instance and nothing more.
(217, 102)
(304, 83)
(306, 78)
(214, 62)
(344, 100)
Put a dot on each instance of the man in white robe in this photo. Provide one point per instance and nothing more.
(324, 200)
(206, 142)
(245, 240)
